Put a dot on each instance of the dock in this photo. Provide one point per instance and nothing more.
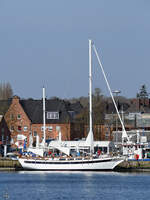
(134, 165)
(6, 164)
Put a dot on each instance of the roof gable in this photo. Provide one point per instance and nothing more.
(34, 110)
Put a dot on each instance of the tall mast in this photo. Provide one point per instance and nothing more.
(89, 139)
(44, 128)
(90, 84)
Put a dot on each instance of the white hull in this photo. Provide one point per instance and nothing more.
(70, 165)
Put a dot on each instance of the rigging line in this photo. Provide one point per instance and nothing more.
(123, 128)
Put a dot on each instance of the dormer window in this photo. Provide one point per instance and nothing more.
(72, 113)
(52, 115)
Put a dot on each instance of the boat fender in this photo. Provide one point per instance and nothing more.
(99, 152)
(136, 156)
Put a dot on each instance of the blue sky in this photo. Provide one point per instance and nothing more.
(46, 43)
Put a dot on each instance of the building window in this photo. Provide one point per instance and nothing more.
(11, 116)
(42, 128)
(57, 128)
(34, 133)
(19, 128)
(25, 128)
(11, 128)
(52, 115)
(18, 116)
(50, 128)
(12, 141)
(2, 138)
(106, 135)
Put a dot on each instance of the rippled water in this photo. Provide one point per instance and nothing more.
(74, 186)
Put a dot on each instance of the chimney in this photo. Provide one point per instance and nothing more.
(15, 99)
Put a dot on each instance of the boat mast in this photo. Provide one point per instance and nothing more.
(89, 139)
(44, 128)
(90, 84)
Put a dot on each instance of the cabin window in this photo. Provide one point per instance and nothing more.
(52, 115)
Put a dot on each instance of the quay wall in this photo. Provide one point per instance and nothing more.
(133, 165)
(8, 164)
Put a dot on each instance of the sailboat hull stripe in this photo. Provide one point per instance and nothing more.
(60, 162)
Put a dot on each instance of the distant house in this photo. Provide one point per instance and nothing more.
(25, 117)
(134, 112)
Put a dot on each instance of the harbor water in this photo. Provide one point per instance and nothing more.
(27, 185)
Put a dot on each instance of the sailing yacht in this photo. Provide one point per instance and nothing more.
(90, 162)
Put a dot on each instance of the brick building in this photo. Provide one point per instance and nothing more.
(25, 117)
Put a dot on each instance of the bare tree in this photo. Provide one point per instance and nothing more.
(143, 94)
(6, 91)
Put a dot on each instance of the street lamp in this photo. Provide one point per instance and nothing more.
(116, 92)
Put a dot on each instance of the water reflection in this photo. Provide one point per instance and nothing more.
(88, 173)
(36, 185)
